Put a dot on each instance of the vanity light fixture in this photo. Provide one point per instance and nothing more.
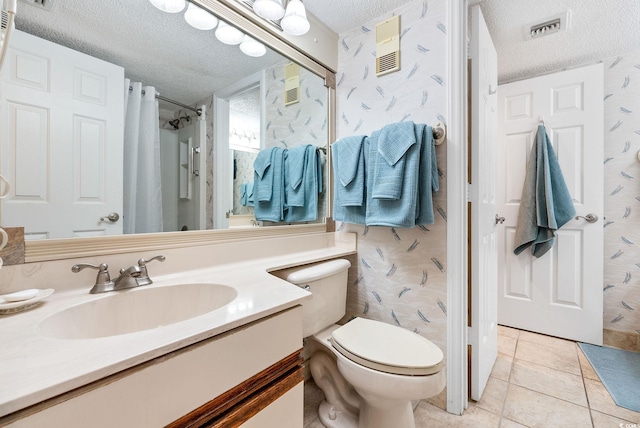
(269, 9)
(228, 34)
(170, 6)
(200, 18)
(252, 47)
(295, 19)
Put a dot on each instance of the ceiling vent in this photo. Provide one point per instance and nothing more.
(548, 26)
(388, 46)
(291, 83)
(43, 4)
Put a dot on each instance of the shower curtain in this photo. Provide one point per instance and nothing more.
(142, 190)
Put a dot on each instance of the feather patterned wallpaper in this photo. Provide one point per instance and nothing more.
(622, 193)
(304, 122)
(399, 275)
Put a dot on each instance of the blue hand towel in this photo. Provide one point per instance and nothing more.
(271, 208)
(246, 194)
(295, 172)
(389, 164)
(428, 176)
(546, 204)
(250, 194)
(357, 192)
(243, 194)
(308, 209)
(263, 183)
(394, 212)
(348, 156)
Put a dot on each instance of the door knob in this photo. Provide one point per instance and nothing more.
(590, 218)
(111, 218)
(499, 219)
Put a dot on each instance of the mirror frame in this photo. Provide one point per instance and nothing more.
(239, 15)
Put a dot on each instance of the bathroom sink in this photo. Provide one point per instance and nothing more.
(137, 309)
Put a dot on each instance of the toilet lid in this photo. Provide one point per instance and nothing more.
(388, 348)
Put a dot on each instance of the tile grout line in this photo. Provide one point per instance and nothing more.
(584, 385)
(551, 396)
(504, 402)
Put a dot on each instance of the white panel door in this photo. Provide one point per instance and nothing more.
(483, 334)
(61, 140)
(560, 293)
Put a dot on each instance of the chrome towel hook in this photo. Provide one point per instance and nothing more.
(439, 133)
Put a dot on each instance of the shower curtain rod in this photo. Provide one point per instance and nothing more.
(160, 97)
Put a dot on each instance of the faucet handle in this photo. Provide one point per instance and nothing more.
(144, 279)
(102, 267)
(142, 262)
(103, 280)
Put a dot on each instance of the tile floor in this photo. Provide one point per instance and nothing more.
(537, 381)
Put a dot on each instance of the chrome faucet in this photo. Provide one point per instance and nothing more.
(103, 280)
(131, 277)
(143, 278)
(128, 278)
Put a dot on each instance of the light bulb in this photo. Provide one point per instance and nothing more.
(170, 6)
(228, 34)
(295, 19)
(252, 47)
(200, 18)
(269, 9)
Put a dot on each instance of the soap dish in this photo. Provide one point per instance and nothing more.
(11, 306)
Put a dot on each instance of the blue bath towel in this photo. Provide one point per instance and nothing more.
(268, 185)
(357, 191)
(429, 181)
(295, 171)
(394, 212)
(307, 210)
(546, 204)
(418, 182)
(263, 183)
(348, 157)
(389, 162)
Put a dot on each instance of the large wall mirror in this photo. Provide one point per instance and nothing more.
(114, 112)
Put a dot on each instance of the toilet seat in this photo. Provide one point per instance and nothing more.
(387, 348)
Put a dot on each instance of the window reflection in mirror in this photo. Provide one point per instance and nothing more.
(161, 52)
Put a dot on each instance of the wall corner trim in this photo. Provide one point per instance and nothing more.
(457, 398)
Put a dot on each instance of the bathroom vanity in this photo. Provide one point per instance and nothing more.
(237, 364)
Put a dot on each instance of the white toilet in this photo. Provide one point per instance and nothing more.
(369, 371)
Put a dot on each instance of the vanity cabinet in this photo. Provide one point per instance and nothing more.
(250, 376)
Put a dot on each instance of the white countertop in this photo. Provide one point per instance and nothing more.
(34, 368)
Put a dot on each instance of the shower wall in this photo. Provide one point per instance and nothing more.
(169, 174)
(177, 213)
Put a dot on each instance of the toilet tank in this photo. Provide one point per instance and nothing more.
(327, 282)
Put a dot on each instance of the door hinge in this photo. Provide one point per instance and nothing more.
(470, 336)
(472, 192)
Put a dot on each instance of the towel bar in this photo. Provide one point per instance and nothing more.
(439, 133)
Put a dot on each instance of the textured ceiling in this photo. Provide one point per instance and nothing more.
(599, 29)
(162, 50)
(156, 48)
